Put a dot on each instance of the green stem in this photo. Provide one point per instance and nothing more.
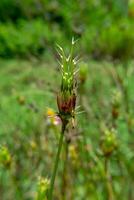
(64, 179)
(50, 195)
(108, 180)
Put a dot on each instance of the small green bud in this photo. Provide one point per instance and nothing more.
(83, 72)
(116, 103)
(5, 157)
(130, 121)
(42, 187)
(116, 98)
(21, 100)
(108, 142)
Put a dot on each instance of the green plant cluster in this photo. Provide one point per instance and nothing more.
(26, 38)
(31, 27)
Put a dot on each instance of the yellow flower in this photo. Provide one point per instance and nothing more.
(52, 118)
(73, 152)
(33, 144)
(50, 112)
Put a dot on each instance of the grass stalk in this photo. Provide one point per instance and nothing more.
(108, 180)
(64, 178)
(50, 195)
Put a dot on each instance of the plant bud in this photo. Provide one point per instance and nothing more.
(108, 142)
(5, 157)
(66, 104)
(116, 102)
(83, 72)
(43, 185)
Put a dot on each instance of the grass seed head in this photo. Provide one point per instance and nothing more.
(66, 99)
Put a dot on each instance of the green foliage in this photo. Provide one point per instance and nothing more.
(115, 40)
(28, 88)
(24, 39)
(109, 142)
(100, 148)
(31, 27)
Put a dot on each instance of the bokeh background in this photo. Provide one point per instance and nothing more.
(30, 79)
(32, 27)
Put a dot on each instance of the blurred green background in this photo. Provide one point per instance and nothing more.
(32, 27)
(30, 79)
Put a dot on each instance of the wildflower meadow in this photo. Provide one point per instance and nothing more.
(67, 100)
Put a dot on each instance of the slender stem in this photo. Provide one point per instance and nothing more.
(64, 179)
(108, 181)
(50, 195)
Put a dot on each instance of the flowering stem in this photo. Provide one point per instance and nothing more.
(50, 195)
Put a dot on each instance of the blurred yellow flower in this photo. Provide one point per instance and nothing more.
(52, 118)
(73, 152)
(50, 112)
(42, 187)
(33, 144)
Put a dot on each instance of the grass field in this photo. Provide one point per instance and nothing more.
(28, 89)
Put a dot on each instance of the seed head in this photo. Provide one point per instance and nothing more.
(66, 98)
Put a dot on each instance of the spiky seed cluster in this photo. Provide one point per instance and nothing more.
(66, 99)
